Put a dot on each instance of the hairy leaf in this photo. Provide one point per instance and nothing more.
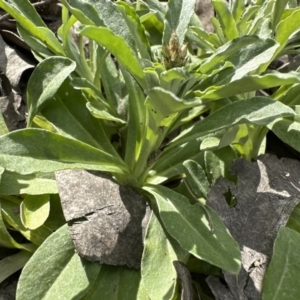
(45, 81)
(13, 263)
(257, 110)
(35, 210)
(177, 19)
(60, 272)
(118, 47)
(189, 225)
(35, 150)
(281, 280)
(160, 251)
(117, 283)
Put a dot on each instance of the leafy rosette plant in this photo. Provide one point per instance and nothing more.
(142, 106)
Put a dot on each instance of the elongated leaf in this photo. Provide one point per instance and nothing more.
(226, 19)
(114, 20)
(25, 9)
(278, 10)
(288, 130)
(3, 127)
(29, 19)
(157, 269)
(6, 239)
(169, 163)
(137, 29)
(281, 279)
(240, 51)
(287, 27)
(162, 109)
(84, 12)
(177, 19)
(206, 40)
(118, 47)
(117, 283)
(99, 113)
(91, 91)
(164, 104)
(60, 272)
(35, 210)
(257, 110)
(11, 215)
(72, 119)
(136, 121)
(247, 15)
(13, 263)
(40, 50)
(248, 84)
(218, 163)
(45, 81)
(188, 224)
(196, 178)
(265, 11)
(237, 9)
(35, 150)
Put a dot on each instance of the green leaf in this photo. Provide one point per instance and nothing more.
(35, 210)
(162, 109)
(250, 50)
(264, 12)
(137, 29)
(257, 110)
(56, 217)
(294, 219)
(114, 20)
(237, 9)
(205, 39)
(84, 12)
(247, 15)
(112, 83)
(13, 263)
(28, 18)
(6, 239)
(59, 271)
(35, 150)
(118, 47)
(3, 127)
(169, 163)
(136, 122)
(196, 178)
(117, 283)
(98, 112)
(92, 92)
(290, 95)
(45, 81)
(217, 163)
(247, 84)
(25, 9)
(158, 272)
(189, 226)
(277, 13)
(287, 27)
(11, 214)
(281, 278)
(72, 119)
(40, 49)
(177, 19)
(288, 130)
(226, 19)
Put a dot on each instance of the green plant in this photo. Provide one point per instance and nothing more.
(154, 99)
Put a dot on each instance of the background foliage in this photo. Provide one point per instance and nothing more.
(142, 91)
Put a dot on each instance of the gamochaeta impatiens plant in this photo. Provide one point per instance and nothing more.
(149, 102)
